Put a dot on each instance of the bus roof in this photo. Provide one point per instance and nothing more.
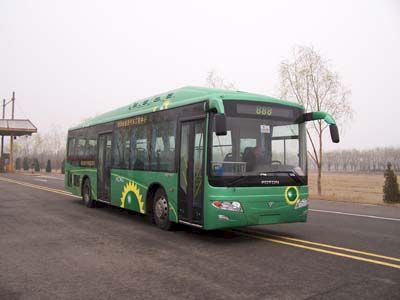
(179, 97)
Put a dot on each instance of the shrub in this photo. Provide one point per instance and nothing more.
(48, 166)
(18, 164)
(391, 192)
(36, 165)
(25, 164)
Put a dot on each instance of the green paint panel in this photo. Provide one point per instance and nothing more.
(133, 185)
(261, 205)
(82, 172)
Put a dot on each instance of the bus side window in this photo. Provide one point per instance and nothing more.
(163, 146)
(121, 148)
(92, 147)
(139, 148)
(81, 148)
(71, 147)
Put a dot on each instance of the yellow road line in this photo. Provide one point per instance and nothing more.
(39, 187)
(373, 261)
(31, 184)
(273, 238)
(325, 245)
(377, 262)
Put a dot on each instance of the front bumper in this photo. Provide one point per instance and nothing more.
(261, 206)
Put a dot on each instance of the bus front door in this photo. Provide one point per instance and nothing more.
(104, 166)
(191, 166)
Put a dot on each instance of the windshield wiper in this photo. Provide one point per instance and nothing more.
(293, 175)
(236, 180)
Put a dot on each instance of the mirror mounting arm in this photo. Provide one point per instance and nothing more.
(216, 104)
(320, 115)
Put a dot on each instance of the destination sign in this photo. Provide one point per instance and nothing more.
(87, 163)
(264, 110)
(132, 121)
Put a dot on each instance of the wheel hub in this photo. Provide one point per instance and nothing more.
(86, 195)
(161, 208)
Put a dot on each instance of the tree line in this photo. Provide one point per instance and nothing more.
(369, 160)
(41, 151)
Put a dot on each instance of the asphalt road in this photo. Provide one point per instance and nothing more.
(53, 247)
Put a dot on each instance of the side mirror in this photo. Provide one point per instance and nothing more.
(319, 115)
(220, 124)
(334, 133)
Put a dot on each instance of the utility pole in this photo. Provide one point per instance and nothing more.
(2, 139)
(12, 137)
(10, 163)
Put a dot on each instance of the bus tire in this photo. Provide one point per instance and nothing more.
(87, 195)
(161, 210)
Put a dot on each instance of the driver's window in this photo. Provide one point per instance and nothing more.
(222, 146)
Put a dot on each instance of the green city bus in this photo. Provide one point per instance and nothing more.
(203, 157)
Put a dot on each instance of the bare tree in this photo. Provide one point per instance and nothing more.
(43, 146)
(368, 160)
(307, 78)
(216, 81)
(56, 138)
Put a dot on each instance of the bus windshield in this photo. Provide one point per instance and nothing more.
(264, 144)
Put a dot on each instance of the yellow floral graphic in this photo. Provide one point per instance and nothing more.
(129, 188)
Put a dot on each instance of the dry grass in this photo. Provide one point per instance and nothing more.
(349, 187)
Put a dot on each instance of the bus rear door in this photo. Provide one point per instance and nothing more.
(104, 166)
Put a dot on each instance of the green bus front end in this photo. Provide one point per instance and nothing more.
(206, 158)
(259, 206)
(257, 169)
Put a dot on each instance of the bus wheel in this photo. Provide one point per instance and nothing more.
(160, 210)
(87, 195)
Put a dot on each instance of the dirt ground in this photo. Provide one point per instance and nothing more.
(349, 187)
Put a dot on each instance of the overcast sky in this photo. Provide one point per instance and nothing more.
(69, 60)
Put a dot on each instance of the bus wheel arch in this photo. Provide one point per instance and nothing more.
(87, 196)
(84, 178)
(150, 197)
(158, 206)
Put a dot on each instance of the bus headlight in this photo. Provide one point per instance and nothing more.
(227, 205)
(301, 203)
